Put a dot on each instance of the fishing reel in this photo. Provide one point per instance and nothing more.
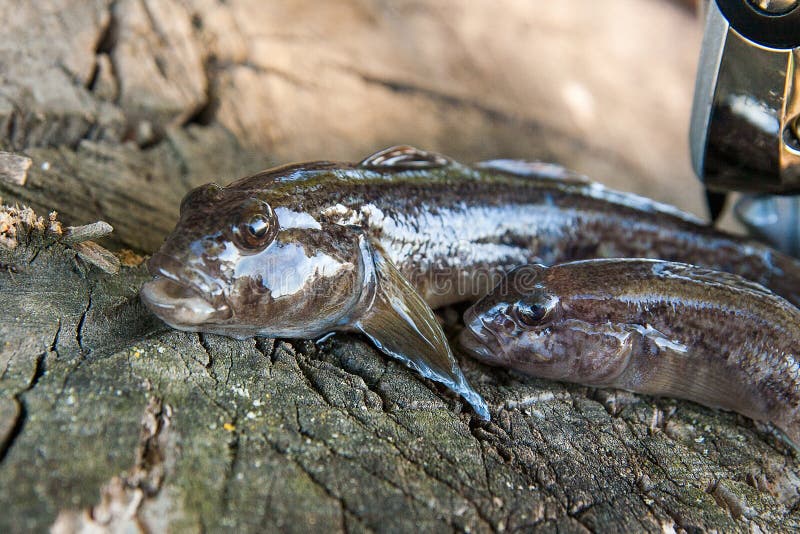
(745, 128)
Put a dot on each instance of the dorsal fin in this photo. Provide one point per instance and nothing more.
(533, 169)
(404, 157)
(668, 269)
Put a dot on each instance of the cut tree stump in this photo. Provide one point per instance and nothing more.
(111, 421)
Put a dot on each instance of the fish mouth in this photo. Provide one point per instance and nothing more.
(479, 341)
(475, 345)
(483, 342)
(181, 305)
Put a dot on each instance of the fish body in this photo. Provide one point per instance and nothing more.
(304, 250)
(648, 326)
(452, 230)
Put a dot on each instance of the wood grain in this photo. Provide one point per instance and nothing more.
(111, 421)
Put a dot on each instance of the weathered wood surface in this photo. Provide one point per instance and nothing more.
(108, 419)
(212, 89)
(106, 410)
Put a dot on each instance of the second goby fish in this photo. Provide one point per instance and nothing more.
(303, 250)
(648, 326)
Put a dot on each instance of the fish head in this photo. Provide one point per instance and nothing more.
(534, 323)
(517, 322)
(238, 266)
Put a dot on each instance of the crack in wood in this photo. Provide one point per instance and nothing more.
(22, 409)
(380, 476)
(123, 497)
(81, 322)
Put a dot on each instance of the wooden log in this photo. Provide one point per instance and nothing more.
(139, 100)
(110, 421)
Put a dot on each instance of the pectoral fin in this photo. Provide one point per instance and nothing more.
(401, 324)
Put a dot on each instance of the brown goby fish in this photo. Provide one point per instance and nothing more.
(303, 250)
(648, 326)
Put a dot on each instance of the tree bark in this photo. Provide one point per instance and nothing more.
(109, 419)
(125, 104)
(105, 409)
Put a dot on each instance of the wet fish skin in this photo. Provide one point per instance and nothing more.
(246, 263)
(453, 230)
(647, 326)
(371, 247)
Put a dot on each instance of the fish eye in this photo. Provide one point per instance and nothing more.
(256, 227)
(529, 314)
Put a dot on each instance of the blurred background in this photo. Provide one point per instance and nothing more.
(124, 105)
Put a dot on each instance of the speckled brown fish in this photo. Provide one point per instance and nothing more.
(303, 250)
(647, 326)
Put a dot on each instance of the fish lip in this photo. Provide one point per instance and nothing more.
(480, 341)
(483, 341)
(166, 266)
(181, 303)
(473, 344)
